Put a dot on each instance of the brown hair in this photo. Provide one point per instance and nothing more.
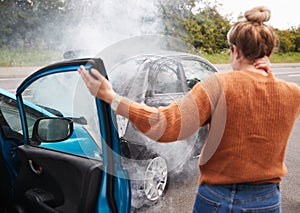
(252, 37)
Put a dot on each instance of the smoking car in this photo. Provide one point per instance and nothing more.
(59, 148)
(156, 80)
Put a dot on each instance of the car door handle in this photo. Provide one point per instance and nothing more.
(37, 171)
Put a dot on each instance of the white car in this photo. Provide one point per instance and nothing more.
(157, 80)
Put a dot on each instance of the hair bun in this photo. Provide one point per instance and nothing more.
(258, 14)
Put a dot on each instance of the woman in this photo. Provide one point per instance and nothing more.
(251, 115)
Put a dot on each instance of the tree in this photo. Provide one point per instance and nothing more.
(207, 30)
(30, 23)
(12, 21)
(202, 27)
(173, 14)
(297, 39)
(40, 24)
(286, 40)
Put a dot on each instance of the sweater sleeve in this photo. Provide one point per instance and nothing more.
(294, 91)
(177, 121)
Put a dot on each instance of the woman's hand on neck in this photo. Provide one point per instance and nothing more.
(260, 66)
(252, 68)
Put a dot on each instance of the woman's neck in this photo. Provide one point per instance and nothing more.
(251, 68)
(245, 65)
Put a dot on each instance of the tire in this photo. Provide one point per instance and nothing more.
(152, 188)
(156, 179)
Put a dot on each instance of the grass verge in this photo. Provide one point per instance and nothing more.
(26, 58)
(223, 58)
(11, 58)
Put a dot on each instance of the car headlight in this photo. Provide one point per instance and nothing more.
(122, 123)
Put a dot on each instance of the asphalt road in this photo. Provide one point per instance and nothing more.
(183, 186)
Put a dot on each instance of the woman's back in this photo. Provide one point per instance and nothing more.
(260, 113)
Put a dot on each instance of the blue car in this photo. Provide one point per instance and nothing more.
(59, 146)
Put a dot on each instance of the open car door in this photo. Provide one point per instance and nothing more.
(68, 159)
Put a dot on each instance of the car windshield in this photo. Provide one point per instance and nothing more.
(129, 77)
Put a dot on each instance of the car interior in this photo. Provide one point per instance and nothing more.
(46, 180)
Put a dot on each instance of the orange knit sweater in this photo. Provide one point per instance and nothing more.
(251, 117)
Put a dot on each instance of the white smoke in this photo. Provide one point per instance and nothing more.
(104, 22)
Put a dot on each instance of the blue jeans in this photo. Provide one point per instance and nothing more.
(237, 198)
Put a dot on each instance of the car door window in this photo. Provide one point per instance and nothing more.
(196, 71)
(65, 95)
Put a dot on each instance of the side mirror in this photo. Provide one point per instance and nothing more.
(53, 129)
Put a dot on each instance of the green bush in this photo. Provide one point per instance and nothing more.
(22, 57)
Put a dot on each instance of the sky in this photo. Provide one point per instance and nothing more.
(284, 13)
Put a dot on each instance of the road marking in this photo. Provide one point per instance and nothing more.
(297, 75)
(286, 73)
(11, 79)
